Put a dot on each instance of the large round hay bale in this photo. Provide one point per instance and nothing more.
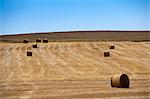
(25, 41)
(38, 40)
(29, 53)
(106, 54)
(34, 45)
(45, 40)
(112, 47)
(120, 80)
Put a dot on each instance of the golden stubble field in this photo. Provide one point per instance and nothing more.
(61, 70)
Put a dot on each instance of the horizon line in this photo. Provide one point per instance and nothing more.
(75, 32)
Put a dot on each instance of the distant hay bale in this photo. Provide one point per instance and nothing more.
(29, 53)
(45, 40)
(34, 45)
(106, 54)
(38, 40)
(112, 47)
(25, 41)
(120, 80)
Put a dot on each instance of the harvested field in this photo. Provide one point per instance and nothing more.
(78, 36)
(61, 70)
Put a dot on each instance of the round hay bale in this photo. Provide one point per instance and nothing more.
(106, 54)
(25, 41)
(120, 80)
(34, 45)
(29, 53)
(45, 40)
(112, 47)
(38, 40)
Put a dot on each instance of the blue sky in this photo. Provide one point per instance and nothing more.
(25, 16)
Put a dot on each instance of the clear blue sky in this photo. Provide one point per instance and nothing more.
(25, 16)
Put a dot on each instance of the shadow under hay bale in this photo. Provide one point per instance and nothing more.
(120, 81)
(106, 54)
(112, 47)
(45, 41)
(25, 41)
(38, 40)
(34, 46)
(29, 53)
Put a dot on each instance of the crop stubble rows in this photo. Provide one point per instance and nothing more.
(74, 69)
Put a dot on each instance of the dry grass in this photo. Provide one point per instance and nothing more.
(73, 70)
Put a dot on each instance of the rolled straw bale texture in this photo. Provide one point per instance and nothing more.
(120, 80)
